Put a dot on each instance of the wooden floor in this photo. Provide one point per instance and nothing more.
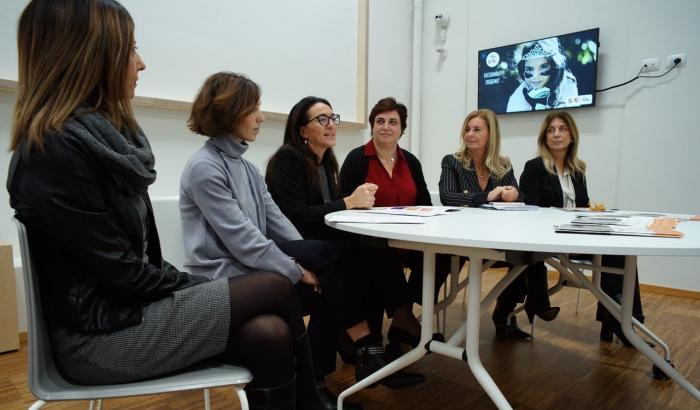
(564, 367)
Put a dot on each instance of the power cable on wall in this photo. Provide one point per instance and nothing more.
(675, 64)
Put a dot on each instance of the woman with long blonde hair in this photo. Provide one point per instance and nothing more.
(478, 174)
(557, 177)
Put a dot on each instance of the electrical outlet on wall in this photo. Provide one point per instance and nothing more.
(670, 60)
(650, 64)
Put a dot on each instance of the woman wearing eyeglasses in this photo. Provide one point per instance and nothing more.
(233, 228)
(302, 177)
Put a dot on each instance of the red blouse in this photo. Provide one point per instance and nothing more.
(395, 190)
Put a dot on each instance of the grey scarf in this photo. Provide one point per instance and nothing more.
(127, 156)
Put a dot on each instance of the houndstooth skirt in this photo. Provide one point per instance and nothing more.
(180, 330)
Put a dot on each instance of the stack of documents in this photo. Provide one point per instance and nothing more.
(622, 225)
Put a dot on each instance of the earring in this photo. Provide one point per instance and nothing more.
(306, 140)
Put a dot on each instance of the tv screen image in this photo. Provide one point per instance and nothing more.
(549, 73)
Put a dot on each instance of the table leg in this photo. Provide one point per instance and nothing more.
(623, 313)
(472, 344)
(637, 342)
(458, 337)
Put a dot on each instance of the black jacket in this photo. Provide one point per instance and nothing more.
(86, 239)
(353, 173)
(543, 189)
(302, 203)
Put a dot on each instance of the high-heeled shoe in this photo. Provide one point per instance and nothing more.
(546, 313)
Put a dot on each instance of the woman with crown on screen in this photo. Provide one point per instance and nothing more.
(545, 80)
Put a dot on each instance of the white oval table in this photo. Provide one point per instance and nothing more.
(518, 237)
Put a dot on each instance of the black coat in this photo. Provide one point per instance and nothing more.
(87, 240)
(543, 189)
(300, 201)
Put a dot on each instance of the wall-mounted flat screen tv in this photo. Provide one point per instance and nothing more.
(549, 73)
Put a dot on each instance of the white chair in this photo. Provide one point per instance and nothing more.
(166, 211)
(47, 383)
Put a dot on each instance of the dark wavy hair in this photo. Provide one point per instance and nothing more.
(299, 117)
(389, 104)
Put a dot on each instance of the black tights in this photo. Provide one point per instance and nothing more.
(265, 320)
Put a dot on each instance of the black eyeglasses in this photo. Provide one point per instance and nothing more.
(324, 119)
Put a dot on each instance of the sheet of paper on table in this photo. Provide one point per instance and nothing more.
(373, 218)
(510, 206)
(413, 210)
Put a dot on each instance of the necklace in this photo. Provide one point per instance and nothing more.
(391, 159)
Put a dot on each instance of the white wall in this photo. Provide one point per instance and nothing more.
(640, 141)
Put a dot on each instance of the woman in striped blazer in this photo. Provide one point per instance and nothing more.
(478, 174)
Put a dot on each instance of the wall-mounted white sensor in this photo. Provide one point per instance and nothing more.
(442, 20)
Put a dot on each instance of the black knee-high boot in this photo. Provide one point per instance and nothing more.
(307, 397)
(282, 397)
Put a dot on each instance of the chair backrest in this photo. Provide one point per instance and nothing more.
(166, 211)
(42, 367)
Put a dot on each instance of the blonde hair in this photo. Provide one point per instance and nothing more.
(71, 53)
(498, 165)
(571, 161)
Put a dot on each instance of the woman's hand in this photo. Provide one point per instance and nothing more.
(509, 193)
(362, 197)
(495, 194)
(310, 278)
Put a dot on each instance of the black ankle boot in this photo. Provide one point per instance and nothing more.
(330, 402)
(606, 333)
(276, 398)
(505, 330)
(370, 358)
(609, 326)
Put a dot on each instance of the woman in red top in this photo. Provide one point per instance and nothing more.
(381, 161)
(399, 177)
